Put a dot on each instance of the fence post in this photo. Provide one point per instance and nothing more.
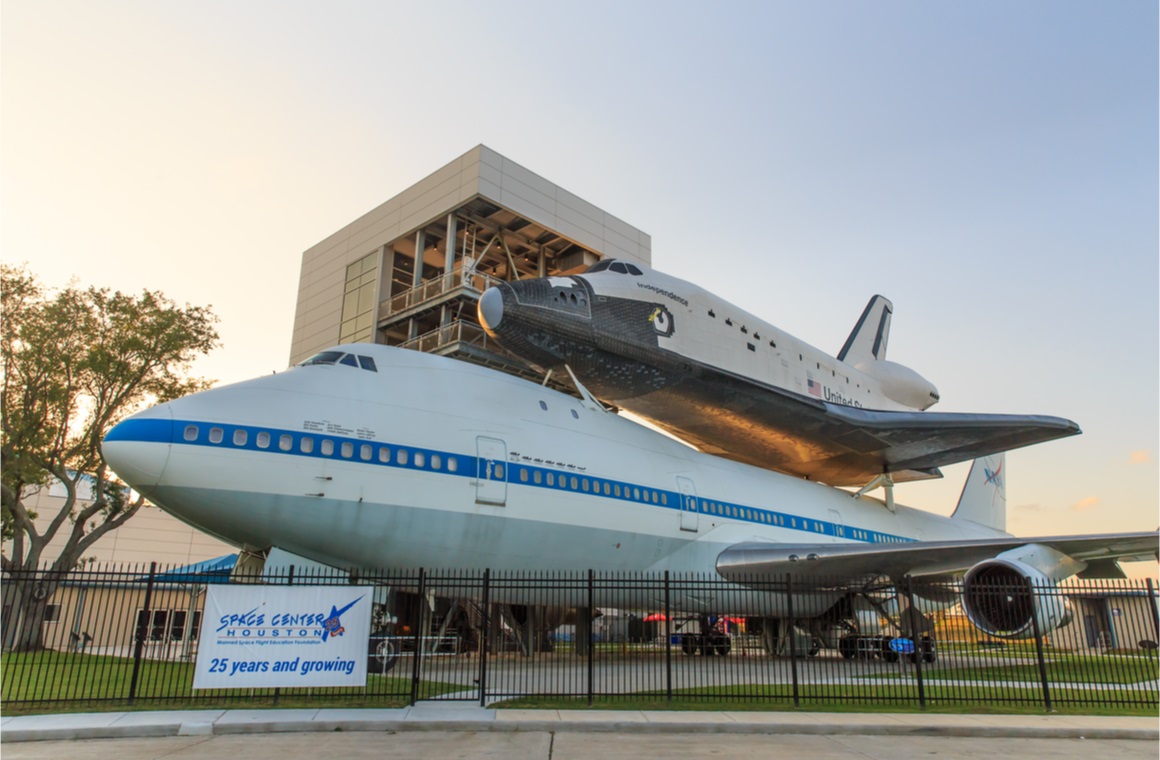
(1039, 648)
(418, 654)
(1154, 609)
(484, 638)
(142, 632)
(289, 582)
(591, 631)
(918, 648)
(668, 643)
(792, 639)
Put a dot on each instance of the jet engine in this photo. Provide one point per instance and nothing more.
(1006, 598)
(901, 384)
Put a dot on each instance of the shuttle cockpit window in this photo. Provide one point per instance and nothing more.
(613, 265)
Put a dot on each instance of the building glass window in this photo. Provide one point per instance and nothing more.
(358, 301)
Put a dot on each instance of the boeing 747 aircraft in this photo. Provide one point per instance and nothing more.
(370, 456)
(736, 386)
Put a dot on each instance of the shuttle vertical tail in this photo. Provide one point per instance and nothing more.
(868, 340)
(984, 499)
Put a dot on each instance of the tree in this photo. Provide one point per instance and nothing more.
(75, 362)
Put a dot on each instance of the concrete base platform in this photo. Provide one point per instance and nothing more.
(460, 717)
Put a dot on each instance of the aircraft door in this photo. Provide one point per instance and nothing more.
(839, 527)
(689, 515)
(491, 472)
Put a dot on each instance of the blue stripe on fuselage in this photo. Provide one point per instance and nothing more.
(159, 430)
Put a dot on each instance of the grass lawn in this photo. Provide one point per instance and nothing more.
(1103, 669)
(47, 682)
(52, 681)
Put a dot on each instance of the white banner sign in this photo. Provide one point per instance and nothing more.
(264, 636)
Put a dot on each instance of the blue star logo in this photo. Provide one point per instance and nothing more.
(332, 626)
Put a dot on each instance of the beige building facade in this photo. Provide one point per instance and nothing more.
(410, 272)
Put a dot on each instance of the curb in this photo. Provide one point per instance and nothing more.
(164, 729)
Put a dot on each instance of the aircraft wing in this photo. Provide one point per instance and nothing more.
(925, 440)
(824, 563)
(777, 429)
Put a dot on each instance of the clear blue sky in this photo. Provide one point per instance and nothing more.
(989, 166)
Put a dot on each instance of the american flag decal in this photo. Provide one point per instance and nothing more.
(815, 388)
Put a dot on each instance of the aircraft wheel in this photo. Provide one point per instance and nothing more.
(382, 653)
(848, 647)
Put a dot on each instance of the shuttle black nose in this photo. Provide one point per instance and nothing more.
(491, 310)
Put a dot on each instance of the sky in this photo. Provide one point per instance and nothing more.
(991, 167)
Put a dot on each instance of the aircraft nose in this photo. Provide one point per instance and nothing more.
(491, 309)
(138, 448)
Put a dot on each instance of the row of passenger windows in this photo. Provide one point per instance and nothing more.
(383, 454)
(589, 485)
(327, 448)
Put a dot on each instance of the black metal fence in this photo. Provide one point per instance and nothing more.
(126, 635)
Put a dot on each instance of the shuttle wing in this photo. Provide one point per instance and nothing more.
(895, 441)
(771, 427)
(826, 562)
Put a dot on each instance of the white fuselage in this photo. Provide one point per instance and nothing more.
(432, 462)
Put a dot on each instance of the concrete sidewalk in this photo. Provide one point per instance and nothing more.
(457, 717)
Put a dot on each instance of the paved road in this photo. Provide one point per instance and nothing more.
(574, 746)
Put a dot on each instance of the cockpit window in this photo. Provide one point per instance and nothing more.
(338, 357)
(326, 357)
(613, 265)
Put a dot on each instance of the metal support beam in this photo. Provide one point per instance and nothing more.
(513, 273)
(420, 244)
(886, 481)
(450, 241)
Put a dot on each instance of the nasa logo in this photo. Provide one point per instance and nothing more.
(662, 321)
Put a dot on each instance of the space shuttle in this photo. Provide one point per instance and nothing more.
(735, 386)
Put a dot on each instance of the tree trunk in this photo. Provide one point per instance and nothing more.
(26, 600)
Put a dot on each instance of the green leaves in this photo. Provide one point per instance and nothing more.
(74, 363)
